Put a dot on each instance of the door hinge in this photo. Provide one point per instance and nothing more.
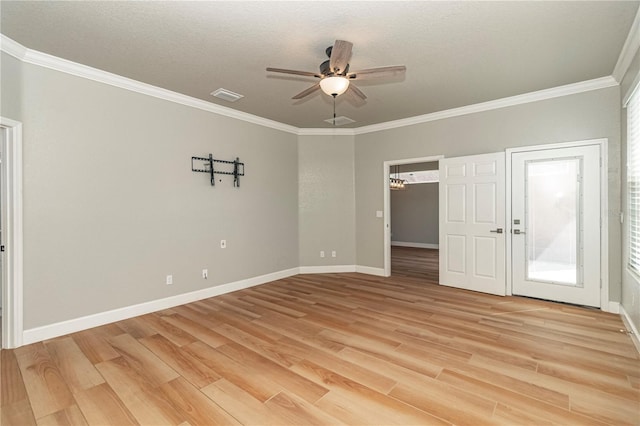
(2, 248)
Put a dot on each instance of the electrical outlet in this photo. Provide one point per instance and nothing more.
(223, 243)
(333, 253)
(205, 273)
(169, 279)
(321, 253)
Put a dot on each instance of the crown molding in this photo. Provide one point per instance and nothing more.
(629, 49)
(555, 92)
(24, 54)
(13, 48)
(49, 61)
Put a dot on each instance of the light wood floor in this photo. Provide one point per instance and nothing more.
(415, 263)
(334, 349)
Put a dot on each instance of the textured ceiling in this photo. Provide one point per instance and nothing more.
(456, 53)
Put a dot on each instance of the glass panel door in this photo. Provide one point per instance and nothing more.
(552, 216)
(555, 224)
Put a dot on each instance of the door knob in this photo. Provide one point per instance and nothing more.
(517, 231)
(497, 231)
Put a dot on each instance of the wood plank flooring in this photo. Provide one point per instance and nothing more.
(334, 349)
(415, 263)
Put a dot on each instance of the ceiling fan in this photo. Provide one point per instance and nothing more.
(335, 76)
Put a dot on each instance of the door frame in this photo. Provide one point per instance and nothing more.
(387, 202)
(604, 209)
(12, 290)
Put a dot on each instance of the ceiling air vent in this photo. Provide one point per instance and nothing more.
(226, 95)
(340, 121)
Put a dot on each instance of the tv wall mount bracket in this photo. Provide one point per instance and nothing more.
(206, 165)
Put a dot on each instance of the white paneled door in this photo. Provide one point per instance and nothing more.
(472, 223)
(555, 230)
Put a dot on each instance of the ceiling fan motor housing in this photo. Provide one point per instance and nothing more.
(328, 51)
(325, 69)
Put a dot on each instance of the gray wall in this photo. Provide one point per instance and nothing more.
(111, 205)
(590, 115)
(327, 200)
(630, 283)
(11, 83)
(414, 214)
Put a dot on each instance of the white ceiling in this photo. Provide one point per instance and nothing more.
(456, 53)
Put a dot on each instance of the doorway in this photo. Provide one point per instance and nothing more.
(556, 224)
(11, 235)
(414, 221)
(555, 264)
(386, 213)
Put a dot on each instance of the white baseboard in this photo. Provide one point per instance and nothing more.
(62, 328)
(370, 270)
(626, 319)
(613, 307)
(332, 269)
(78, 324)
(327, 269)
(416, 245)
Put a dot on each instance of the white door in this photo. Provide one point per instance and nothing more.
(555, 230)
(472, 222)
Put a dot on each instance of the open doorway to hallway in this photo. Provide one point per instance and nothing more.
(414, 224)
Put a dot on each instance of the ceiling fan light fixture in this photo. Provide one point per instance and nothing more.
(334, 86)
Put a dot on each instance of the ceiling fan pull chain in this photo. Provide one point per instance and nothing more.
(334, 110)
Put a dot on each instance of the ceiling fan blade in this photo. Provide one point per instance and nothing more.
(307, 92)
(340, 55)
(377, 72)
(355, 91)
(284, 71)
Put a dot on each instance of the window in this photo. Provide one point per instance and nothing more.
(633, 179)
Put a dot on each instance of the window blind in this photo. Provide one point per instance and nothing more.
(633, 179)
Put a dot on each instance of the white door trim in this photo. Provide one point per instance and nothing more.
(387, 203)
(604, 209)
(12, 307)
